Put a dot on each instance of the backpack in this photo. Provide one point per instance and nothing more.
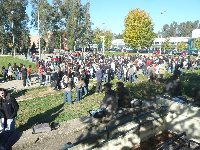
(45, 127)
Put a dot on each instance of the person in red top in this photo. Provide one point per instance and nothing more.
(40, 73)
(29, 70)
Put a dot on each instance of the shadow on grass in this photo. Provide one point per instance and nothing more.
(91, 90)
(19, 93)
(46, 117)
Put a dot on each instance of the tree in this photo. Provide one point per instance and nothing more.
(118, 36)
(44, 10)
(170, 30)
(13, 22)
(197, 43)
(108, 39)
(138, 31)
(166, 45)
(108, 35)
(181, 46)
(183, 29)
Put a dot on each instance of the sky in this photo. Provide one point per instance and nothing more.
(110, 14)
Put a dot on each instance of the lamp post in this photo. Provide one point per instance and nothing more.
(13, 37)
(39, 34)
(162, 13)
(103, 42)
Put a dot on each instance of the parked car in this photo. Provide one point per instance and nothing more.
(193, 52)
(129, 50)
(143, 51)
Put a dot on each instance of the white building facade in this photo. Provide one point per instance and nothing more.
(173, 40)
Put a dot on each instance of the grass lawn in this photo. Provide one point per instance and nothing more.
(51, 108)
(5, 60)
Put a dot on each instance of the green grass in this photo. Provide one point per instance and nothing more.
(5, 60)
(51, 108)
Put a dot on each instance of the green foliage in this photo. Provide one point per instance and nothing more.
(97, 33)
(184, 29)
(167, 45)
(119, 36)
(78, 24)
(108, 39)
(197, 43)
(170, 30)
(67, 19)
(145, 90)
(181, 46)
(14, 21)
(138, 31)
(190, 81)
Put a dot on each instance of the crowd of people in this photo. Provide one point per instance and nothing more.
(76, 71)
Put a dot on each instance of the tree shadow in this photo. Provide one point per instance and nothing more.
(149, 91)
(91, 90)
(46, 117)
(17, 94)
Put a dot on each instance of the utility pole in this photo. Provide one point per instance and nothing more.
(13, 37)
(39, 34)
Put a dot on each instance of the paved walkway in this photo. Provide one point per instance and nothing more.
(17, 85)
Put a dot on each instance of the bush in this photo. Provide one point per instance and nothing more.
(145, 90)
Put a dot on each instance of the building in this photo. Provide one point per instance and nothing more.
(117, 43)
(189, 41)
(196, 33)
(157, 43)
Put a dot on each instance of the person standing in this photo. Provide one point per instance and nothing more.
(4, 72)
(79, 89)
(24, 75)
(29, 70)
(10, 106)
(132, 72)
(99, 76)
(16, 71)
(48, 74)
(58, 78)
(40, 73)
(68, 94)
(10, 71)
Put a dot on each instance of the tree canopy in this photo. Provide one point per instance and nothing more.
(181, 46)
(108, 35)
(13, 22)
(184, 29)
(197, 44)
(167, 45)
(138, 31)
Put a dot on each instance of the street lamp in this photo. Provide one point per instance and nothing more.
(103, 41)
(39, 34)
(162, 13)
(13, 37)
